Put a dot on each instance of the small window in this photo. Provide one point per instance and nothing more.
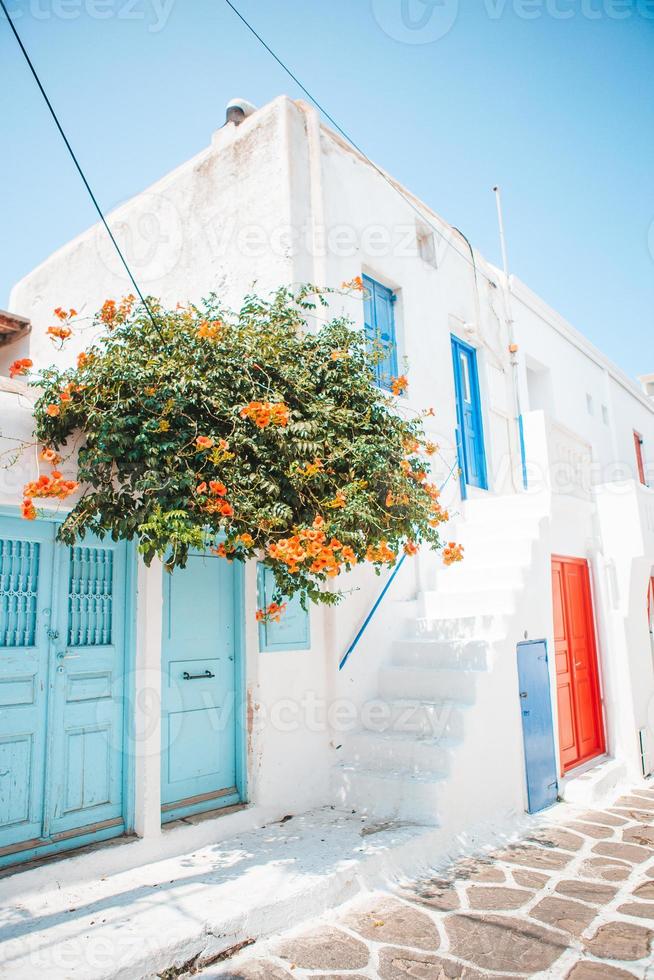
(292, 630)
(426, 245)
(589, 404)
(605, 415)
(379, 319)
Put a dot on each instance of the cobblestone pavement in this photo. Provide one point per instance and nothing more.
(574, 899)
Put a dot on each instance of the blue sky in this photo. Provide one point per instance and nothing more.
(552, 99)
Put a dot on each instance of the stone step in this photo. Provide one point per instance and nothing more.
(467, 577)
(419, 652)
(516, 529)
(408, 716)
(437, 683)
(457, 605)
(484, 552)
(391, 752)
(392, 796)
(505, 505)
(461, 629)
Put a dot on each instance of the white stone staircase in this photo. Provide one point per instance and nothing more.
(424, 748)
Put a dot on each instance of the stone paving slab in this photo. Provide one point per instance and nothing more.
(573, 900)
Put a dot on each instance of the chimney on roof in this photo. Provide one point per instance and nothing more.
(237, 110)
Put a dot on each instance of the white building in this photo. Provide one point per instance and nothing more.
(425, 721)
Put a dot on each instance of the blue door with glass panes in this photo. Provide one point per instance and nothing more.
(62, 696)
(379, 321)
(470, 433)
(200, 703)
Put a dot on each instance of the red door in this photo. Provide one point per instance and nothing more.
(581, 731)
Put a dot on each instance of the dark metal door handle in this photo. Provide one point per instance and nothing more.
(196, 677)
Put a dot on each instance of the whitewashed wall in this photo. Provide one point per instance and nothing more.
(283, 200)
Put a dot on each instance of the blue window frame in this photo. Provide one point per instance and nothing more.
(379, 320)
(292, 631)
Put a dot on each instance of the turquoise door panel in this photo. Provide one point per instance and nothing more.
(26, 555)
(470, 436)
(87, 687)
(292, 630)
(199, 706)
(62, 676)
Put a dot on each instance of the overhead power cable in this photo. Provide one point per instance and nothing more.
(79, 168)
(421, 214)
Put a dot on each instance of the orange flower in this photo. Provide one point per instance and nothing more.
(108, 312)
(338, 501)
(50, 486)
(399, 385)
(356, 283)
(453, 552)
(217, 488)
(28, 510)
(21, 366)
(246, 540)
(431, 448)
(410, 548)
(62, 315)
(264, 414)
(347, 555)
(339, 355)
(50, 456)
(273, 613)
(381, 554)
(59, 333)
(211, 330)
(82, 359)
(201, 488)
(204, 442)
(53, 410)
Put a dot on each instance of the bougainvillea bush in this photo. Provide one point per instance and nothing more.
(244, 432)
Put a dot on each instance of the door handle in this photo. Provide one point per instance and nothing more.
(196, 677)
(523, 694)
(67, 656)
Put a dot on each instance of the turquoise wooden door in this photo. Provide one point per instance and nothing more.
(62, 664)
(26, 554)
(470, 436)
(85, 764)
(200, 706)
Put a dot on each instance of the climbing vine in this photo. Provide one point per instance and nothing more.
(245, 431)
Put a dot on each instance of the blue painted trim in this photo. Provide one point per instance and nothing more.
(129, 660)
(240, 700)
(463, 490)
(523, 454)
(372, 612)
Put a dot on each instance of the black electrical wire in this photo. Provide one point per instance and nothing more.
(352, 142)
(79, 169)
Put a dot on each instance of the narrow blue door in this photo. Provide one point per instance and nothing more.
(537, 725)
(26, 555)
(468, 413)
(87, 676)
(200, 706)
(62, 667)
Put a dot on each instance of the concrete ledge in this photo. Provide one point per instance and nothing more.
(594, 783)
(135, 924)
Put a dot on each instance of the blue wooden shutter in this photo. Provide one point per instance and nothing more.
(292, 632)
(379, 320)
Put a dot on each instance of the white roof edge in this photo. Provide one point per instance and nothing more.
(541, 308)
